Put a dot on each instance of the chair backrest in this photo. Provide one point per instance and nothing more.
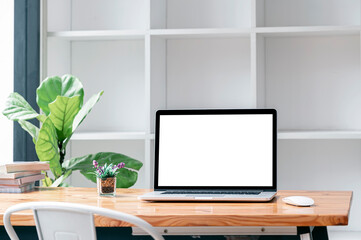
(70, 221)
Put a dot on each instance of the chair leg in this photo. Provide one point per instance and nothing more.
(320, 233)
(304, 233)
(312, 233)
(306, 236)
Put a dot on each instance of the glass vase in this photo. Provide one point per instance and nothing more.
(106, 186)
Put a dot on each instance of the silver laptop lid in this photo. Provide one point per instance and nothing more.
(216, 149)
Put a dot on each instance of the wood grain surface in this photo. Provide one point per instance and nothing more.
(330, 208)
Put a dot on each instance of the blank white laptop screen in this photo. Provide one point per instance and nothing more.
(215, 150)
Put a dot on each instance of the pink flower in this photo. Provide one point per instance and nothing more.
(121, 165)
(95, 163)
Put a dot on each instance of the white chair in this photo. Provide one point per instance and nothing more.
(69, 221)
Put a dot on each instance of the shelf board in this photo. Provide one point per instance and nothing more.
(308, 31)
(204, 32)
(97, 35)
(201, 32)
(285, 134)
(109, 136)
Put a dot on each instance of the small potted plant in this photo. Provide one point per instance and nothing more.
(106, 178)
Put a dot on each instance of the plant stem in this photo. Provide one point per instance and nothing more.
(62, 152)
(61, 179)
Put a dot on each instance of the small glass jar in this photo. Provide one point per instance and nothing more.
(106, 186)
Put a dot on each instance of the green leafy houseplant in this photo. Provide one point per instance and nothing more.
(61, 100)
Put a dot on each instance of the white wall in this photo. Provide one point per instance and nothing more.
(7, 76)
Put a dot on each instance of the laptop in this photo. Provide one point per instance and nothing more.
(215, 155)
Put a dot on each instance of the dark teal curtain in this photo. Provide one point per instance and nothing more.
(26, 68)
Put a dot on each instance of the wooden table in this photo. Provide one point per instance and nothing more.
(331, 208)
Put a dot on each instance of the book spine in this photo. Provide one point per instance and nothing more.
(4, 176)
(26, 188)
(22, 181)
(15, 169)
(30, 179)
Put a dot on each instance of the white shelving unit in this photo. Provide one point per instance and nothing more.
(300, 57)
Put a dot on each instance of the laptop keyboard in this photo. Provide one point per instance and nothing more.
(212, 192)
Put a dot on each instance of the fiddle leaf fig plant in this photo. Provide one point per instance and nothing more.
(61, 101)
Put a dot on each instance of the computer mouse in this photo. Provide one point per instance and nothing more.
(299, 201)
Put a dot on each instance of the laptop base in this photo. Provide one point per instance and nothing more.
(160, 196)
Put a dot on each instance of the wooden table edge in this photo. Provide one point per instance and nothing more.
(179, 220)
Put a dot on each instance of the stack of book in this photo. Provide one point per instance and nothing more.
(20, 177)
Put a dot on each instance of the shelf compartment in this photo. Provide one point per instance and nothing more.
(117, 67)
(200, 73)
(132, 148)
(98, 35)
(208, 73)
(200, 33)
(67, 15)
(79, 136)
(327, 135)
(200, 14)
(279, 13)
(58, 57)
(313, 82)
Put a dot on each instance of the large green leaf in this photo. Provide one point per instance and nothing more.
(50, 88)
(86, 162)
(126, 177)
(41, 118)
(47, 149)
(88, 106)
(31, 129)
(17, 108)
(62, 113)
